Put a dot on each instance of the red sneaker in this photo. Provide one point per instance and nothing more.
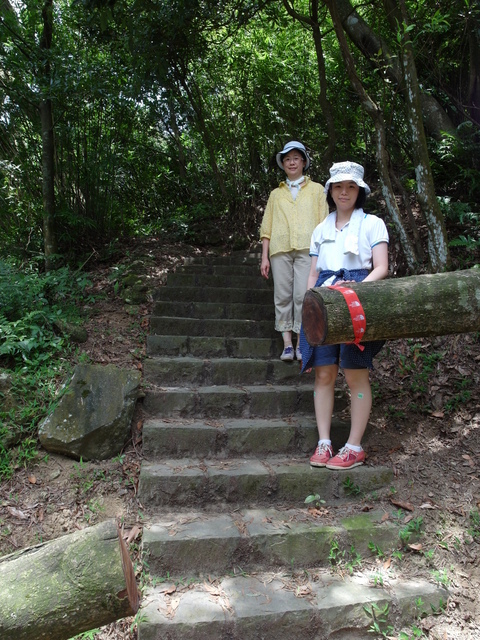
(322, 455)
(346, 459)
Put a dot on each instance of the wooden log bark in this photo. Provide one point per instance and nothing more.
(411, 307)
(58, 589)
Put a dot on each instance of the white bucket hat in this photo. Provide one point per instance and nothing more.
(290, 146)
(342, 171)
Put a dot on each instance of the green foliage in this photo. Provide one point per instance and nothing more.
(441, 577)
(167, 120)
(87, 635)
(379, 616)
(348, 560)
(31, 306)
(474, 525)
(414, 632)
(462, 395)
(31, 338)
(412, 529)
(350, 488)
(335, 555)
(314, 497)
(34, 387)
(464, 224)
(376, 550)
(32, 352)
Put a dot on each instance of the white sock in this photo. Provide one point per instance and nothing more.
(354, 447)
(324, 441)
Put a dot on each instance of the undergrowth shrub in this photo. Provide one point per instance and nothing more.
(31, 304)
(33, 352)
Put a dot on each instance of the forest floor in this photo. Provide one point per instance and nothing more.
(425, 424)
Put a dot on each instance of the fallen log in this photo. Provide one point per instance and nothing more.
(58, 589)
(410, 307)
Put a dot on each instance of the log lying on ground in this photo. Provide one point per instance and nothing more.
(60, 588)
(411, 307)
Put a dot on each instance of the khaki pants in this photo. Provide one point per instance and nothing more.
(290, 275)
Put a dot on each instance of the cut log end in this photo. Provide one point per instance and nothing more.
(129, 574)
(68, 585)
(314, 319)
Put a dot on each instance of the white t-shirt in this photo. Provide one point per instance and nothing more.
(350, 248)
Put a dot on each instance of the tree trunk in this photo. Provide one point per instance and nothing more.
(48, 143)
(195, 97)
(439, 254)
(413, 307)
(312, 21)
(412, 257)
(58, 589)
(473, 34)
(381, 153)
(177, 136)
(323, 99)
(377, 51)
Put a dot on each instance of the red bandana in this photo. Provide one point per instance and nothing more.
(357, 313)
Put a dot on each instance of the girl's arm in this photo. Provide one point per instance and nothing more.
(265, 265)
(380, 263)
(313, 275)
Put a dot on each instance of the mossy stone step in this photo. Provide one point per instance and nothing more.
(267, 401)
(212, 347)
(217, 310)
(221, 269)
(204, 482)
(191, 543)
(234, 437)
(251, 258)
(220, 371)
(314, 604)
(215, 294)
(227, 328)
(188, 279)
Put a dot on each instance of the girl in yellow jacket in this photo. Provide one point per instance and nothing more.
(293, 211)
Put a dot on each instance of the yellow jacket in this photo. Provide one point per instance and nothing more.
(289, 223)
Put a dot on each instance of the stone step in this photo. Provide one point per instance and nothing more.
(225, 438)
(221, 371)
(187, 279)
(212, 347)
(192, 543)
(237, 257)
(262, 401)
(215, 310)
(212, 327)
(215, 294)
(194, 482)
(226, 473)
(217, 269)
(286, 605)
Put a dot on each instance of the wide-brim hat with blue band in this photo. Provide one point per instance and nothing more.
(290, 146)
(344, 171)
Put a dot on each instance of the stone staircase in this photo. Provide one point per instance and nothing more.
(231, 547)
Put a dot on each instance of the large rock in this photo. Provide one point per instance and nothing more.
(92, 419)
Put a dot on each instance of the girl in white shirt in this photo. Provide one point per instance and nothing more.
(349, 245)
